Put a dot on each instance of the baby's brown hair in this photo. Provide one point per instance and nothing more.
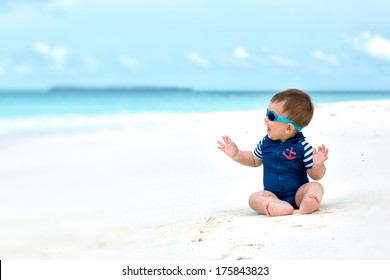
(297, 105)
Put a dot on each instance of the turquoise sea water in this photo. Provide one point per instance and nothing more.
(36, 113)
(20, 104)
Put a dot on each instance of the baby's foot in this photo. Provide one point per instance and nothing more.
(309, 204)
(278, 208)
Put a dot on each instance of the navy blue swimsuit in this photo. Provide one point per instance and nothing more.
(285, 165)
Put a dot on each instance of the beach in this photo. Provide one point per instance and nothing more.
(157, 188)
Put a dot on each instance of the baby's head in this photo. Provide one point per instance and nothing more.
(296, 104)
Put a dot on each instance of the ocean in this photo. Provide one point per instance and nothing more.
(29, 113)
(21, 104)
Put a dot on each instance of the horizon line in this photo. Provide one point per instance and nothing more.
(64, 88)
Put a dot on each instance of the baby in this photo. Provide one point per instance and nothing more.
(286, 156)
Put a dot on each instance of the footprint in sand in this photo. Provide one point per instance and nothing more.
(197, 240)
(242, 251)
(309, 227)
(250, 246)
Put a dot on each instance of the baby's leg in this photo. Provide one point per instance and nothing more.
(267, 203)
(309, 197)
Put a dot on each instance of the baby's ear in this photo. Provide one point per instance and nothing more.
(290, 129)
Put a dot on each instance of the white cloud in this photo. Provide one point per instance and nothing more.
(197, 58)
(4, 65)
(375, 46)
(232, 61)
(39, 5)
(57, 55)
(12, 3)
(42, 48)
(64, 3)
(325, 57)
(90, 62)
(282, 60)
(240, 57)
(22, 69)
(241, 53)
(130, 63)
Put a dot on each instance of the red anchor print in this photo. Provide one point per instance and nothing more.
(291, 155)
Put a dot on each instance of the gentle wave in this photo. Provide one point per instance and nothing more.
(11, 128)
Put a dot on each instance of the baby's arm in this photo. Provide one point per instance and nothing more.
(320, 155)
(244, 157)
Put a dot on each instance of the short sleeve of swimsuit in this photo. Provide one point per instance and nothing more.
(308, 154)
(258, 153)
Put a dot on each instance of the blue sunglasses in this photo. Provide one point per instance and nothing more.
(274, 117)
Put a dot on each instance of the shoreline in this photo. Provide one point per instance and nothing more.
(160, 189)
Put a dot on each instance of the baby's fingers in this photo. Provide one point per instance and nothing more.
(221, 145)
(326, 153)
(226, 139)
(321, 148)
(324, 150)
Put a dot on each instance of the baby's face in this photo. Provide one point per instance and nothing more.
(277, 130)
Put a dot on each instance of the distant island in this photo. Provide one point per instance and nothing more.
(118, 88)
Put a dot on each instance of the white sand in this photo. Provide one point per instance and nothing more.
(158, 188)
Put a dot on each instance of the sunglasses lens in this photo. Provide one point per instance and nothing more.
(271, 116)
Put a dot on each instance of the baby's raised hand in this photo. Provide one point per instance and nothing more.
(228, 147)
(320, 155)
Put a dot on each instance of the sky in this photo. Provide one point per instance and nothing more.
(204, 44)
